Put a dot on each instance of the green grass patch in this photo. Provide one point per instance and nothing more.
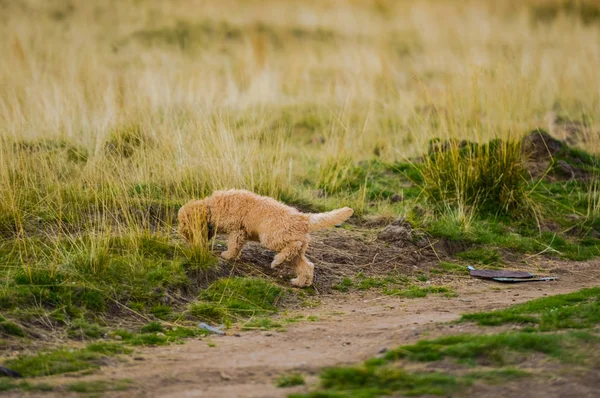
(290, 380)
(64, 360)
(369, 381)
(11, 329)
(419, 292)
(153, 334)
(391, 285)
(450, 268)
(384, 377)
(81, 329)
(481, 255)
(71, 282)
(494, 348)
(521, 236)
(300, 318)
(363, 282)
(262, 324)
(237, 298)
(152, 327)
(98, 386)
(576, 310)
(10, 384)
(344, 285)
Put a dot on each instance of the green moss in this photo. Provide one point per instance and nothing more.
(290, 380)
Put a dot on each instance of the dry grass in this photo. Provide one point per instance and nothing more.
(229, 93)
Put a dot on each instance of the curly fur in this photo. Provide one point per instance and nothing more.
(244, 216)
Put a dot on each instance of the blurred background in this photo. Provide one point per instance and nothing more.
(277, 96)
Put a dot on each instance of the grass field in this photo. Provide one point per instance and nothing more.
(115, 113)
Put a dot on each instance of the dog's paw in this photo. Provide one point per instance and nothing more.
(275, 264)
(299, 283)
(227, 256)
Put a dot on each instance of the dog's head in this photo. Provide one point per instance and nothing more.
(194, 222)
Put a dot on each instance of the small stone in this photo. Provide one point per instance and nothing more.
(138, 359)
(396, 198)
(383, 350)
(399, 232)
(237, 335)
(160, 334)
(117, 337)
(566, 169)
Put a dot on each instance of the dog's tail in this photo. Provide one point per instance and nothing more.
(329, 219)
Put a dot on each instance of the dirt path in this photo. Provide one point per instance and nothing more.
(351, 328)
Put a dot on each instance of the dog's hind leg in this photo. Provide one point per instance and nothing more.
(235, 242)
(305, 271)
(290, 252)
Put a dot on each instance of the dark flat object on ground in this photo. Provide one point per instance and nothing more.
(534, 279)
(507, 276)
(491, 274)
(9, 373)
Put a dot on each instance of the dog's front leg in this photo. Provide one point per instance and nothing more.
(235, 243)
(290, 252)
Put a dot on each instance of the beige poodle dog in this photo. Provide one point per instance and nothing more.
(244, 216)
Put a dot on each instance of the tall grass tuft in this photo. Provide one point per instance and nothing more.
(467, 178)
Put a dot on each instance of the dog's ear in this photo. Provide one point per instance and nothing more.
(193, 223)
